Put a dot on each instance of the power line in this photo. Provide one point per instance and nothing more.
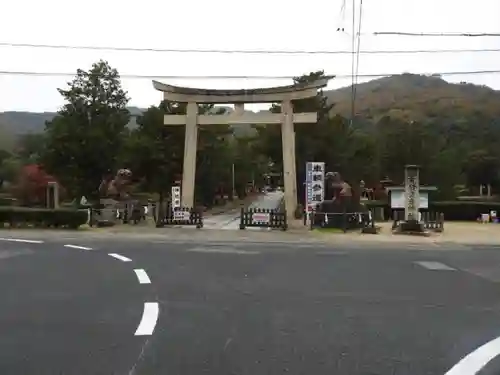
(342, 16)
(234, 51)
(359, 42)
(353, 56)
(381, 33)
(357, 62)
(227, 77)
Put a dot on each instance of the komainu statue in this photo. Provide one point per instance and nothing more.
(336, 187)
(116, 187)
(338, 193)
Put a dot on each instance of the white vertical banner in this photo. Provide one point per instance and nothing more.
(176, 197)
(315, 184)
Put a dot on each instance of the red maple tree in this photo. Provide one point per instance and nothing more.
(31, 187)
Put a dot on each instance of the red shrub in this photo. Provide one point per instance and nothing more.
(31, 185)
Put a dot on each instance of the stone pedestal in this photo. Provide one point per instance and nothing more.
(106, 215)
(412, 226)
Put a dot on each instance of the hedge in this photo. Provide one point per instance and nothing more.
(464, 210)
(42, 217)
(452, 210)
(6, 201)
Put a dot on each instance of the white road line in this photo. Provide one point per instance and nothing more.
(473, 362)
(78, 247)
(142, 276)
(221, 250)
(20, 240)
(435, 266)
(149, 319)
(120, 257)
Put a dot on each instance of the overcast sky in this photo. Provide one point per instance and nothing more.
(229, 25)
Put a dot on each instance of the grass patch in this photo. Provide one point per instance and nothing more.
(328, 230)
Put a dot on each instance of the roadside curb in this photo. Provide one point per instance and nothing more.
(180, 234)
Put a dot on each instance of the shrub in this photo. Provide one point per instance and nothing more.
(42, 217)
(6, 201)
(31, 186)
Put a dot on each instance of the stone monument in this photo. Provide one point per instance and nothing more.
(412, 188)
(286, 119)
(412, 223)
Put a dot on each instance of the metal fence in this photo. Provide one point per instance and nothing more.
(128, 214)
(180, 216)
(263, 218)
(341, 220)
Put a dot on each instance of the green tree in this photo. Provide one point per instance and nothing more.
(30, 146)
(401, 142)
(249, 164)
(85, 139)
(482, 168)
(6, 139)
(445, 172)
(214, 159)
(331, 140)
(155, 152)
(9, 167)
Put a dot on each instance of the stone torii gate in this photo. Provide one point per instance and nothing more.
(281, 94)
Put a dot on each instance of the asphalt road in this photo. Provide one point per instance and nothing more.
(245, 308)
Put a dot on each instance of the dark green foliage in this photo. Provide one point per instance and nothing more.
(40, 217)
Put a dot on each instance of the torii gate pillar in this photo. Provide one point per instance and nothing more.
(284, 95)
(190, 146)
(289, 162)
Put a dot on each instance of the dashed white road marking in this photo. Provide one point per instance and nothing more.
(78, 247)
(435, 266)
(149, 319)
(473, 362)
(222, 250)
(142, 276)
(120, 257)
(20, 240)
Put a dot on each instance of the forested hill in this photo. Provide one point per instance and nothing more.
(407, 96)
(15, 122)
(416, 97)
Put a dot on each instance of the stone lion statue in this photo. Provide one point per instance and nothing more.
(115, 187)
(336, 187)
